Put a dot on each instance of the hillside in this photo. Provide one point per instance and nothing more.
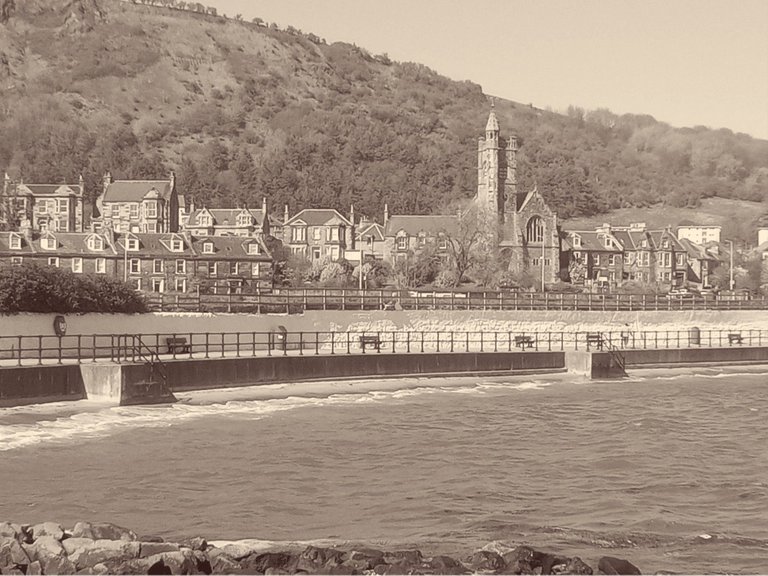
(242, 110)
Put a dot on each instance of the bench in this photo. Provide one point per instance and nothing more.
(735, 337)
(366, 340)
(595, 338)
(177, 345)
(523, 341)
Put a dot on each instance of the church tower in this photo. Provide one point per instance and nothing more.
(496, 173)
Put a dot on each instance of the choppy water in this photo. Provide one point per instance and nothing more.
(668, 470)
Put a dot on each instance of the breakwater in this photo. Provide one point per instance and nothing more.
(104, 548)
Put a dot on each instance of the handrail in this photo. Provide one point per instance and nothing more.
(615, 352)
(152, 360)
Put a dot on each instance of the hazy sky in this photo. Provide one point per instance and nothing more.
(685, 62)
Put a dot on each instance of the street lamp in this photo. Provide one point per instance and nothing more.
(730, 284)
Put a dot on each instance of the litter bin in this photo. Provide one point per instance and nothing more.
(278, 338)
(694, 336)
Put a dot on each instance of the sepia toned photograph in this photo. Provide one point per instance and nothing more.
(383, 287)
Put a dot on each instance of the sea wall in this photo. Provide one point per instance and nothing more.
(693, 356)
(383, 320)
(36, 384)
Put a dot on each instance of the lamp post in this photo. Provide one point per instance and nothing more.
(125, 259)
(730, 283)
(543, 253)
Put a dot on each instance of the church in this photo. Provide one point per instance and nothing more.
(519, 223)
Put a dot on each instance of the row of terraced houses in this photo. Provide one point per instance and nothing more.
(148, 233)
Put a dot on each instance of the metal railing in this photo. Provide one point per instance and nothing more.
(296, 300)
(164, 347)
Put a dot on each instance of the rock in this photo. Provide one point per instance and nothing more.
(202, 561)
(152, 538)
(574, 565)
(259, 563)
(363, 559)
(313, 559)
(485, 561)
(223, 564)
(611, 565)
(8, 530)
(70, 545)
(413, 557)
(102, 531)
(102, 550)
(181, 562)
(152, 548)
(34, 569)
(58, 565)
(196, 543)
(235, 550)
(45, 547)
(14, 571)
(137, 566)
(12, 554)
(444, 565)
(521, 560)
(47, 529)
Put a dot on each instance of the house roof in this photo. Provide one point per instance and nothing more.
(593, 241)
(695, 251)
(225, 216)
(413, 225)
(370, 229)
(74, 243)
(5, 244)
(136, 190)
(151, 244)
(230, 247)
(317, 217)
(46, 189)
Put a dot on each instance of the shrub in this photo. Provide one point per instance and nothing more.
(34, 288)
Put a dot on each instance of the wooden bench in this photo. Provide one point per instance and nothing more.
(177, 345)
(370, 340)
(595, 338)
(735, 337)
(524, 341)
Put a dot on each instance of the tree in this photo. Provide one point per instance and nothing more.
(7, 8)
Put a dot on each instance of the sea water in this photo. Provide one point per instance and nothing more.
(666, 469)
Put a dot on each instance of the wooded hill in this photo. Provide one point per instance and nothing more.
(243, 110)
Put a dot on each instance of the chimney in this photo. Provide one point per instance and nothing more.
(107, 179)
(6, 183)
(264, 206)
(352, 214)
(285, 214)
(386, 214)
(173, 180)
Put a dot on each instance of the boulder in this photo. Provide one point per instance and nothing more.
(137, 566)
(34, 569)
(196, 543)
(58, 565)
(223, 564)
(102, 531)
(8, 530)
(574, 565)
(152, 548)
(44, 547)
(314, 559)
(259, 563)
(70, 545)
(12, 554)
(363, 559)
(412, 557)
(234, 550)
(520, 560)
(100, 551)
(485, 561)
(611, 565)
(47, 529)
(181, 562)
(443, 565)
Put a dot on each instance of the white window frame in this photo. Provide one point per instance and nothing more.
(158, 283)
(177, 245)
(596, 259)
(101, 265)
(213, 269)
(180, 284)
(401, 243)
(298, 234)
(254, 248)
(48, 243)
(137, 282)
(577, 241)
(134, 266)
(77, 265)
(256, 269)
(158, 266)
(207, 247)
(181, 266)
(680, 259)
(332, 234)
(53, 261)
(133, 211)
(317, 233)
(152, 209)
(16, 260)
(132, 244)
(14, 242)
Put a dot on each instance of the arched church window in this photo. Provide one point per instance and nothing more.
(535, 229)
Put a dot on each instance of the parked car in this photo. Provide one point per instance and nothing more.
(681, 292)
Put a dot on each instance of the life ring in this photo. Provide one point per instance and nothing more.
(60, 325)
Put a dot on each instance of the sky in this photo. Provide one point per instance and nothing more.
(684, 62)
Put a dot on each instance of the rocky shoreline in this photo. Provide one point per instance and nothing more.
(103, 548)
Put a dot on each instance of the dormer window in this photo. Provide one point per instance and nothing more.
(48, 243)
(422, 239)
(402, 242)
(665, 243)
(208, 248)
(96, 243)
(243, 219)
(133, 244)
(607, 242)
(254, 248)
(205, 220)
(644, 243)
(177, 245)
(577, 241)
(14, 242)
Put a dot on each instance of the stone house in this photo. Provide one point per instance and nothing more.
(319, 233)
(148, 206)
(42, 207)
(700, 263)
(593, 258)
(408, 235)
(229, 222)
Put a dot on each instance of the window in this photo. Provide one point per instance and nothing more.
(48, 243)
(254, 248)
(204, 220)
(16, 260)
(96, 243)
(607, 242)
(316, 232)
(422, 239)
(177, 245)
(181, 266)
(157, 266)
(133, 244)
(299, 234)
(645, 258)
(535, 229)
(208, 248)
(101, 266)
(442, 243)
(576, 255)
(335, 253)
(256, 269)
(680, 258)
(243, 219)
(665, 243)
(53, 261)
(181, 284)
(15, 242)
(596, 259)
(402, 242)
(316, 253)
(577, 241)
(151, 209)
(137, 283)
(62, 225)
(134, 266)
(133, 211)
(332, 234)
(665, 259)
(77, 265)
(150, 227)
(234, 269)
(158, 285)
(213, 270)
(613, 259)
